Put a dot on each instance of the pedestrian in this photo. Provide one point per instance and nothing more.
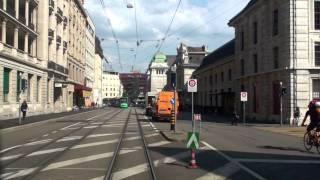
(24, 107)
(235, 118)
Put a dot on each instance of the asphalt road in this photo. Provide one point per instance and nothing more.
(81, 146)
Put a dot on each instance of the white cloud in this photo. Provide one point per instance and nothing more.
(197, 22)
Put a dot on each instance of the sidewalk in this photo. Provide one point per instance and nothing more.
(37, 118)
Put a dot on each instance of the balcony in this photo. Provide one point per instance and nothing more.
(65, 22)
(65, 45)
(58, 40)
(51, 6)
(11, 11)
(51, 34)
(59, 15)
(32, 26)
(56, 67)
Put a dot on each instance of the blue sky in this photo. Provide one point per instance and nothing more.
(198, 22)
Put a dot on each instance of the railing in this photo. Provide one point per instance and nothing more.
(58, 40)
(57, 67)
(51, 6)
(59, 14)
(65, 45)
(31, 26)
(51, 34)
(22, 19)
(20, 53)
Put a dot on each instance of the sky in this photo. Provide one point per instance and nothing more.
(197, 23)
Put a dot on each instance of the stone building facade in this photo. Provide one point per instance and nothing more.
(277, 41)
(188, 60)
(111, 85)
(158, 68)
(98, 69)
(216, 91)
(19, 58)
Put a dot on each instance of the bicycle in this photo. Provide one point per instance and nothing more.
(312, 139)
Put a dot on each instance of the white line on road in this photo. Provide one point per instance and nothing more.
(161, 143)
(67, 127)
(8, 149)
(69, 138)
(90, 127)
(256, 175)
(82, 160)
(221, 173)
(46, 151)
(18, 174)
(282, 161)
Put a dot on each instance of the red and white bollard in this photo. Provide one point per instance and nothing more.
(193, 163)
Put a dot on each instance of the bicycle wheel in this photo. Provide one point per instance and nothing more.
(307, 142)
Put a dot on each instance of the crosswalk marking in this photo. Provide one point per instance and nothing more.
(221, 173)
(18, 174)
(283, 161)
(46, 151)
(69, 138)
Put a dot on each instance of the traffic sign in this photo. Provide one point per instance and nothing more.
(244, 96)
(193, 140)
(172, 101)
(192, 85)
(197, 117)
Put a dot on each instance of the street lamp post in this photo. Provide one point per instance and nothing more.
(19, 98)
(174, 69)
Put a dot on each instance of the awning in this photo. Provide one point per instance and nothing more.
(79, 87)
(86, 94)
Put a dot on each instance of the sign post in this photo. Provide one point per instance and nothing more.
(244, 99)
(193, 137)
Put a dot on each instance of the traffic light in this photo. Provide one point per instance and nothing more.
(283, 91)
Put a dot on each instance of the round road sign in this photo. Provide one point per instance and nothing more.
(192, 83)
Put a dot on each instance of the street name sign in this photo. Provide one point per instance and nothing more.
(192, 85)
(193, 140)
(244, 96)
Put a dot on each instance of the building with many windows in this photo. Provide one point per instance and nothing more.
(216, 81)
(19, 58)
(98, 69)
(90, 57)
(277, 42)
(111, 85)
(77, 53)
(157, 71)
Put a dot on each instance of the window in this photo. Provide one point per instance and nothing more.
(317, 14)
(276, 57)
(275, 23)
(242, 40)
(276, 99)
(255, 32)
(211, 80)
(230, 75)
(38, 89)
(317, 54)
(242, 66)
(29, 88)
(216, 78)
(255, 63)
(6, 80)
(19, 73)
(222, 76)
(48, 90)
(316, 88)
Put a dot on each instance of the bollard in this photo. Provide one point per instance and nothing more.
(193, 163)
(172, 121)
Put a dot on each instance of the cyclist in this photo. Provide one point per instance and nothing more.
(314, 113)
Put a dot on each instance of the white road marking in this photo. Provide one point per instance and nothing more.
(82, 160)
(69, 138)
(282, 161)
(221, 173)
(46, 151)
(101, 135)
(53, 132)
(38, 142)
(256, 175)
(94, 144)
(67, 127)
(45, 135)
(18, 174)
(5, 158)
(8, 149)
(90, 127)
(161, 143)
(97, 123)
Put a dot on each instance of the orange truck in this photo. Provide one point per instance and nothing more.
(164, 105)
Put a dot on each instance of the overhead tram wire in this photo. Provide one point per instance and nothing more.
(137, 33)
(113, 33)
(169, 27)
